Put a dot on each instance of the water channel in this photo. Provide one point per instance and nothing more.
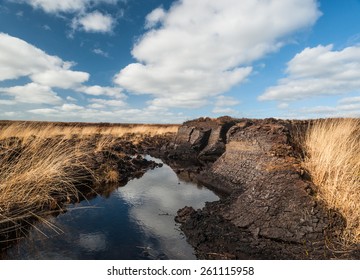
(133, 222)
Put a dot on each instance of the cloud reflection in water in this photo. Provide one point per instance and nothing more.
(155, 199)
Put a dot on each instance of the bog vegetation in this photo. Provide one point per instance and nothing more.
(43, 165)
(332, 149)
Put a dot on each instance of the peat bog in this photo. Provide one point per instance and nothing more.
(287, 189)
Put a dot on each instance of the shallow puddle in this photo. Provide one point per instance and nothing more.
(134, 222)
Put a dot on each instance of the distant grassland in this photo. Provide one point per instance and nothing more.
(332, 148)
(42, 164)
(51, 129)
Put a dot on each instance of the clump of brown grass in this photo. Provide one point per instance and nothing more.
(39, 172)
(332, 149)
(37, 175)
(112, 176)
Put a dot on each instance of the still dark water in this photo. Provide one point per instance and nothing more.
(134, 222)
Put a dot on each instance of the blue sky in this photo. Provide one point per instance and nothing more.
(153, 61)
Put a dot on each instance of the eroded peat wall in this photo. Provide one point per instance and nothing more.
(269, 208)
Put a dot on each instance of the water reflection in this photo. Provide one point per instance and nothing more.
(134, 222)
(93, 241)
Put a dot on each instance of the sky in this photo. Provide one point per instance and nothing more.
(168, 61)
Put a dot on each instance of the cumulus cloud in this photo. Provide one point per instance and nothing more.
(10, 114)
(20, 59)
(345, 107)
(283, 105)
(224, 111)
(97, 112)
(350, 100)
(71, 99)
(94, 22)
(155, 17)
(318, 71)
(203, 48)
(44, 111)
(65, 79)
(67, 107)
(106, 102)
(351, 110)
(65, 6)
(32, 93)
(51, 6)
(186, 101)
(6, 102)
(223, 101)
(115, 92)
(82, 14)
(223, 104)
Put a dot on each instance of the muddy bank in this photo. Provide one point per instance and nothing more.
(268, 208)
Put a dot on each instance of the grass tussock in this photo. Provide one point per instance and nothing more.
(42, 165)
(37, 175)
(333, 160)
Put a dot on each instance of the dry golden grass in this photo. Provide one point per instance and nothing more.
(112, 176)
(35, 175)
(333, 160)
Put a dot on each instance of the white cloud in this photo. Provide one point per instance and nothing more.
(223, 104)
(6, 102)
(100, 52)
(70, 107)
(350, 107)
(94, 22)
(224, 111)
(318, 71)
(319, 110)
(203, 48)
(100, 114)
(46, 27)
(44, 111)
(115, 92)
(338, 111)
(71, 99)
(32, 93)
(51, 6)
(283, 105)
(65, 79)
(79, 11)
(106, 102)
(65, 6)
(155, 17)
(96, 106)
(187, 101)
(350, 100)
(10, 114)
(223, 101)
(18, 58)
